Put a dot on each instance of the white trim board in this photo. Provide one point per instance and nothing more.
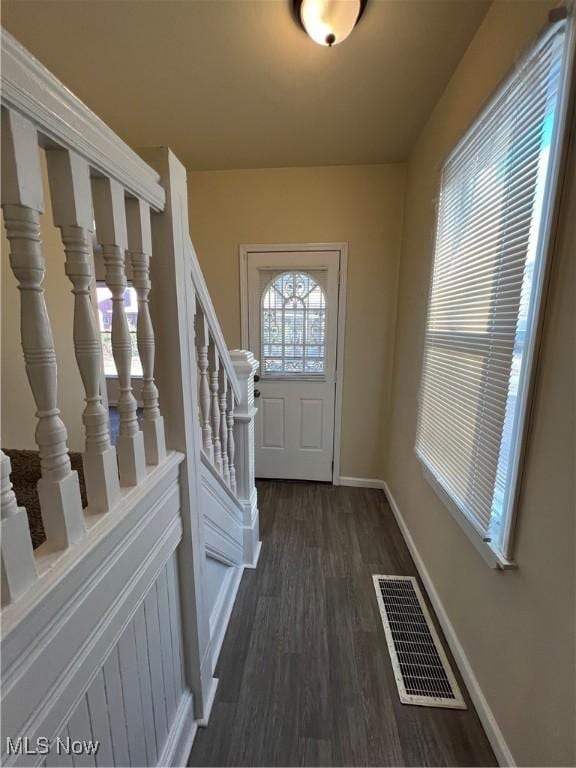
(222, 611)
(203, 721)
(31, 89)
(225, 602)
(361, 482)
(491, 727)
(254, 564)
(341, 325)
(182, 734)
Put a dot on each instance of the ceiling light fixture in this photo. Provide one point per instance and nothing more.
(328, 22)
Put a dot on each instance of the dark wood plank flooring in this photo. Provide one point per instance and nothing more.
(305, 676)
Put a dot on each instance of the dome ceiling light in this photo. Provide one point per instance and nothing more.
(328, 22)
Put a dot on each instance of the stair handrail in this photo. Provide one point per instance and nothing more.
(29, 88)
(205, 301)
(60, 160)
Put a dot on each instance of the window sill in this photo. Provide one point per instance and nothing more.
(490, 556)
(113, 377)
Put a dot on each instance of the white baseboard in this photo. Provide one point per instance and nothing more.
(203, 721)
(254, 564)
(181, 737)
(251, 534)
(493, 732)
(362, 482)
(226, 600)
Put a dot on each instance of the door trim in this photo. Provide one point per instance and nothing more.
(342, 248)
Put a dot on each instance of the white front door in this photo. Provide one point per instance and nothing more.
(292, 329)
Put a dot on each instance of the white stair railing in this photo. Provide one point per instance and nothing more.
(139, 252)
(246, 365)
(92, 178)
(226, 409)
(111, 233)
(73, 215)
(198, 397)
(22, 203)
(202, 343)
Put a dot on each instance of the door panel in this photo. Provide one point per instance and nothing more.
(311, 419)
(272, 421)
(293, 321)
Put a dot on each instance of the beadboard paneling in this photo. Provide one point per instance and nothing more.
(135, 696)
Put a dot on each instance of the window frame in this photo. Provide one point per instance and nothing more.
(556, 179)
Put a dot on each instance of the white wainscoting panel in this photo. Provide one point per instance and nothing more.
(224, 542)
(221, 607)
(222, 515)
(110, 666)
(139, 689)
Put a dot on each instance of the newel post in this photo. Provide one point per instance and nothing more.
(173, 308)
(246, 365)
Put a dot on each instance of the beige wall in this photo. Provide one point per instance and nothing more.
(18, 421)
(361, 205)
(517, 627)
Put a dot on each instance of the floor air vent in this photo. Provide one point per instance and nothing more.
(421, 669)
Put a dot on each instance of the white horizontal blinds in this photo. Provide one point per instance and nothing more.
(293, 322)
(486, 244)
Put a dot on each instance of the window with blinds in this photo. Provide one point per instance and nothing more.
(493, 222)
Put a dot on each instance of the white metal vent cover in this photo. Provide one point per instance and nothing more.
(421, 668)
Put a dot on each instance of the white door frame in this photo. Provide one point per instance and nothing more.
(342, 248)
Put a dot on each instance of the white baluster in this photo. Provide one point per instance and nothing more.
(18, 566)
(202, 344)
(223, 397)
(110, 214)
(231, 447)
(139, 249)
(246, 365)
(69, 177)
(214, 361)
(58, 488)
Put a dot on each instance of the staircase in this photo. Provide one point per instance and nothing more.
(111, 628)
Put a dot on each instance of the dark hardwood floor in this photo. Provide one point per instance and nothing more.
(305, 676)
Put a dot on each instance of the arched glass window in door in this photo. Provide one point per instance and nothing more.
(293, 326)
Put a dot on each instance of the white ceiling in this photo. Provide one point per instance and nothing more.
(237, 84)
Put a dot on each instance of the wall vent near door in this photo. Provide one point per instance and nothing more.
(421, 668)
